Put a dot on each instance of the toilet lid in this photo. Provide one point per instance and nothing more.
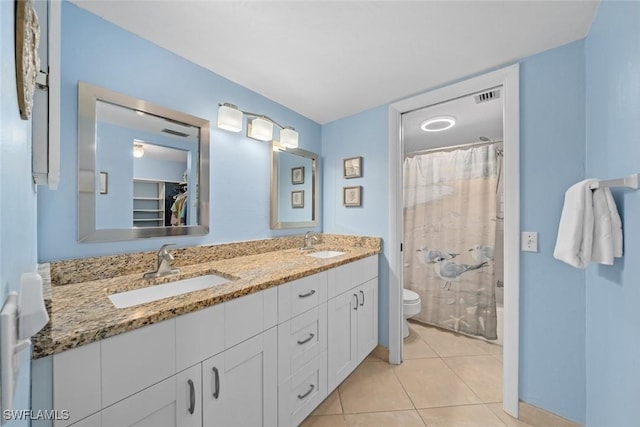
(408, 295)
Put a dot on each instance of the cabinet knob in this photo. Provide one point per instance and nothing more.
(355, 307)
(362, 293)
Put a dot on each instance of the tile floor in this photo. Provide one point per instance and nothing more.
(446, 380)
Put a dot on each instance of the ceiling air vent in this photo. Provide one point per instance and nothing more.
(487, 96)
(175, 132)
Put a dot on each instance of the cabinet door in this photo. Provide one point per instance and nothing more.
(367, 318)
(342, 337)
(240, 385)
(166, 404)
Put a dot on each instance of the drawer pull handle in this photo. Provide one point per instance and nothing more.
(216, 377)
(308, 294)
(355, 307)
(306, 340)
(362, 293)
(192, 397)
(302, 396)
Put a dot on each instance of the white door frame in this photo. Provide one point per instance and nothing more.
(508, 78)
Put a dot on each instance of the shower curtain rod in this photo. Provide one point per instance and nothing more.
(452, 147)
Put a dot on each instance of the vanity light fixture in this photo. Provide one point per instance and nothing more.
(438, 124)
(260, 127)
(138, 150)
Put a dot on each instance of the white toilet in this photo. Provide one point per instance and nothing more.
(411, 305)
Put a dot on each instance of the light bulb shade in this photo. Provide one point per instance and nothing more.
(289, 137)
(138, 151)
(261, 129)
(229, 118)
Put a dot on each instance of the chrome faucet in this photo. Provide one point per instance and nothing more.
(309, 238)
(163, 264)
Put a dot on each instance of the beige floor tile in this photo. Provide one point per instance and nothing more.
(414, 346)
(460, 416)
(430, 383)
(373, 387)
(447, 343)
(330, 406)
(385, 419)
(507, 419)
(489, 347)
(324, 421)
(498, 357)
(483, 374)
(372, 358)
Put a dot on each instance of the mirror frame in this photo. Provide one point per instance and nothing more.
(275, 223)
(88, 95)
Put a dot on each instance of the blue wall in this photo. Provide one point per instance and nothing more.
(364, 134)
(613, 150)
(552, 296)
(552, 364)
(17, 195)
(100, 53)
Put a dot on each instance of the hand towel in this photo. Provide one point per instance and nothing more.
(575, 232)
(616, 225)
(602, 247)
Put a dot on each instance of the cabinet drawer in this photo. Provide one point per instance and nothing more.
(303, 392)
(301, 295)
(137, 359)
(300, 340)
(199, 335)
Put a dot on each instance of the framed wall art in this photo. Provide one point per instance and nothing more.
(297, 175)
(297, 199)
(352, 167)
(352, 196)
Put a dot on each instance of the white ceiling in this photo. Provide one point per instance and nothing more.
(331, 59)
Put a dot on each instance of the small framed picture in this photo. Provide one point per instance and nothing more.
(297, 175)
(352, 167)
(104, 182)
(352, 196)
(297, 199)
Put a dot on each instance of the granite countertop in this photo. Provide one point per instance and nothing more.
(82, 313)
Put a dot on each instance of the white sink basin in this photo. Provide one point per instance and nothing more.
(166, 290)
(326, 254)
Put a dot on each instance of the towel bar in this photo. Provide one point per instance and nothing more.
(630, 181)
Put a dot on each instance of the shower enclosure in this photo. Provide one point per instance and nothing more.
(453, 212)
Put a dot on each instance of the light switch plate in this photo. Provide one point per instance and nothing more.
(529, 241)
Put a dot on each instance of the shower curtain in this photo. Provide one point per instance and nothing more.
(450, 237)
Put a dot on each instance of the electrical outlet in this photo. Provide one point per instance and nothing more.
(530, 241)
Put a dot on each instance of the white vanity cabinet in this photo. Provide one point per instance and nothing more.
(352, 317)
(240, 384)
(176, 401)
(265, 359)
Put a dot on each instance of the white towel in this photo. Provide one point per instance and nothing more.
(602, 247)
(616, 224)
(590, 227)
(575, 233)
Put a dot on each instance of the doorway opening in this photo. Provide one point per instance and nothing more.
(506, 81)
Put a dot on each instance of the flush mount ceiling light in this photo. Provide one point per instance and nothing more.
(438, 124)
(138, 150)
(260, 127)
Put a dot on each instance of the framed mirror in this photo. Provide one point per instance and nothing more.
(294, 188)
(143, 169)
